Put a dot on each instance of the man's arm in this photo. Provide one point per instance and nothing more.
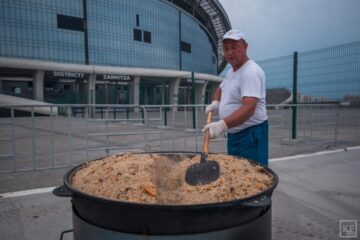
(236, 118)
(214, 106)
(242, 114)
(217, 95)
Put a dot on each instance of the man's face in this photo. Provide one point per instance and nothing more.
(235, 52)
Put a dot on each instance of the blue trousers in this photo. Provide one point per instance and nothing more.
(251, 143)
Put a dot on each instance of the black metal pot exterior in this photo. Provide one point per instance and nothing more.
(62, 191)
(258, 229)
(168, 219)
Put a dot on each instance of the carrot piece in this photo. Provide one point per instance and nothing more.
(151, 190)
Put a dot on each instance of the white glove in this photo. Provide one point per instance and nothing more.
(216, 128)
(213, 107)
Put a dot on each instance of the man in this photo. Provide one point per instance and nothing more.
(240, 100)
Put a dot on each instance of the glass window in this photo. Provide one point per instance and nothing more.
(30, 85)
(147, 36)
(137, 35)
(137, 20)
(16, 90)
(53, 30)
(186, 47)
(71, 23)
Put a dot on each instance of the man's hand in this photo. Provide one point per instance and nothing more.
(213, 107)
(216, 128)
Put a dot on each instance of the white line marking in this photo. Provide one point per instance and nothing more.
(49, 189)
(313, 154)
(26, 192)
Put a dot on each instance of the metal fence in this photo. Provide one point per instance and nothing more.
(323, 76)
(328, 75)
(71, 134)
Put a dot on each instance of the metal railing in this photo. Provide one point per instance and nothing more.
(71, 134)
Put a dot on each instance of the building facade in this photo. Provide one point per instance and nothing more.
(50, 50)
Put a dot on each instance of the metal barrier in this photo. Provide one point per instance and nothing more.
(9, 138)
(78, 133)
(315, 123)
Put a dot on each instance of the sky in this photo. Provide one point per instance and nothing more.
(275, 28)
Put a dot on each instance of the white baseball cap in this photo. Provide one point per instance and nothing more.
(234, 34)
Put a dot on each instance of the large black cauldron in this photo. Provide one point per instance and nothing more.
(151, 219)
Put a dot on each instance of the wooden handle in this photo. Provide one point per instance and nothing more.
(207, 134)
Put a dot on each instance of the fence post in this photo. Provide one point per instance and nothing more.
(12, 116)
(145, 122)
(193, 99)
(164, 101)
(142, 115)
(337, 123)
(294, 99)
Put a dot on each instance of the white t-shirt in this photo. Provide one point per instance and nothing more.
(247, 81)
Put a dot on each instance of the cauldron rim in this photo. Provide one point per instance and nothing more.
(268, 191)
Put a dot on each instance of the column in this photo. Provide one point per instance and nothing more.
(1, 86)
(107, 93)
(200, 93)
(38, 86)
(174, 92)
(91, 89)
(135, 92)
